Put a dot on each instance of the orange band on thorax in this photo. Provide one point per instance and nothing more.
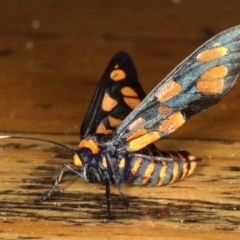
(89, 144)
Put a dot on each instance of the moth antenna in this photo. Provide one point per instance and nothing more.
(39, 140)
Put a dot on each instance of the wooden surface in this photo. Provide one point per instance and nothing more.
(52, 54)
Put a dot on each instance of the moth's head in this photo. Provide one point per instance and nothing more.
(82, 157)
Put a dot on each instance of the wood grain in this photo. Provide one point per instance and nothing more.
(52, 54)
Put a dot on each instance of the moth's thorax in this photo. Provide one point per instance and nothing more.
(90, 144)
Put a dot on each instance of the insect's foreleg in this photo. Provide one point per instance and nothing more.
(57, 181)
(116, 181)
(108, 198)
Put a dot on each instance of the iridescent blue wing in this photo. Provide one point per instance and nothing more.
(199, 82)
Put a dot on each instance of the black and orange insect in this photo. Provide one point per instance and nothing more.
(121, 124)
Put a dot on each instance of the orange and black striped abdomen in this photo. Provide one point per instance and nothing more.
(156, 173)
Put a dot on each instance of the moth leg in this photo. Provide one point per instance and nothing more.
(57, 181)
(122, 196)
(108, 198)
(117, 182)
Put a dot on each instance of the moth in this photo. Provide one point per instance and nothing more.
(122, 123)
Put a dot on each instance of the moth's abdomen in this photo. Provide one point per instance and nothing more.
(147, 172)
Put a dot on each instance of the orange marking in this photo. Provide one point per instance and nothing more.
(104, 162)
(210, 86)
(192, 168)
(215, 72)
(191, 157)
(89, 144)
(136, 134)
(101, 129)
(212, 54)
(211, 81)
(114, 122)
(132, 102)
(164, 109)
(169, 90)
(186, 171)
(108, 103)
(181, 157)
(148, 172)
(122, 163)
(128, 91)
(116, 66)
(163, 173)
(173, 122)
(175, 172)
(142, 141)
(117, 75)
(136, 166)
(136, 123)
(77, 161)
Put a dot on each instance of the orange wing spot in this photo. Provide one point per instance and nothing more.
(138, 122)
(116, 66)
(104, 162)
(122, 163)
(114, 122)
(101, 129)
(173, 122)
(210, 86)
(164, 109)
(137, 134)
(211, 81)
(128, 91)
(175, 172)
(163, 173)
(215, 72)
(136, 166)
(108, 103)
(77, 161)
(212, 54)
(169, 90)
(142, 141)
(132, 102)
(89, 144)
(117, 75)
(148, 172)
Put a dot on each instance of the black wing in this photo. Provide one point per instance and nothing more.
(117, 94)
